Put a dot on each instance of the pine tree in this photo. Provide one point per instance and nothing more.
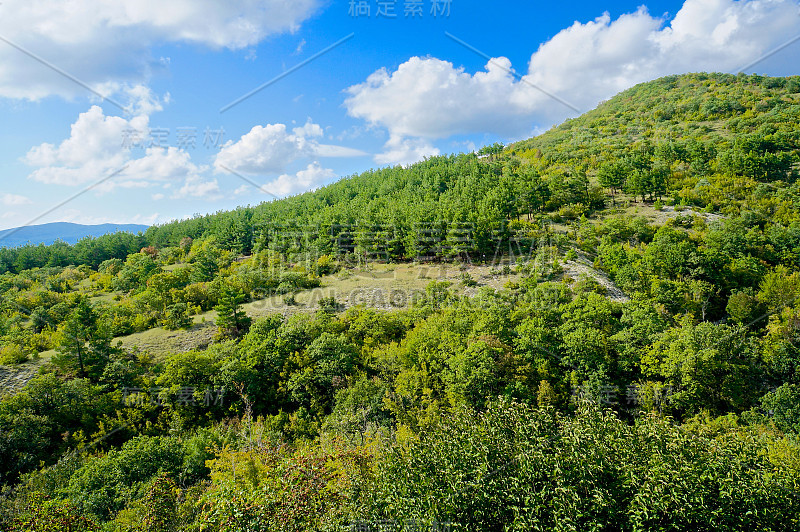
(232, 320)
(85, 341)
(612, 176)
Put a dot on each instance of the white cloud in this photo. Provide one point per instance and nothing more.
(14, 199)
(272, 148)
(98, 41)
(427, 98)
(405, 151)
(309, 179)
(163, 164)
(198, 187)
(330, 150)
(142, 101)
(80, 217)
(587, 63)
(95, 150)
(265, 149)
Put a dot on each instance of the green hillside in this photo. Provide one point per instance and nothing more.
(593, 329)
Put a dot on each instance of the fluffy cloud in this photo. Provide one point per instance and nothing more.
(427, 98)
(99, 42)
(95, 149)
(267, 149)
(197, 187)
(309, 179)
(284, 185)
(405, 151)
(590, 62)
(272, 148)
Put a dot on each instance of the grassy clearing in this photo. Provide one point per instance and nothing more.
(14, 378)
(381, 286)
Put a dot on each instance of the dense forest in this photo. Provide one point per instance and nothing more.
(545, 405)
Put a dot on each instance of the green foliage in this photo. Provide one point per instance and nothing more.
(330, 305)
(612, 176)
(232, 320)
(516, 468)
(52, 516)
(161, 504)
(710, 365)
(106, 484)
(178, 317)
(783, 406)
(326, 364)
(272, 488)
(12, 354)
(85, 342)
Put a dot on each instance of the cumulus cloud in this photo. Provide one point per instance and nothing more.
(98, 146)
(272, 148)
(99, 42)
(95, 149)
(141, 101)
(267, 149)
(401, 150)
(427, 98)
(311, 178)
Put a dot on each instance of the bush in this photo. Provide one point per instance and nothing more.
(13, 354)
(330, 305)
(467, 280)
(52, 516)
(178, 317)
(514, 467)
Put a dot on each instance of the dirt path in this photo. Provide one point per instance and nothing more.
(668, 212)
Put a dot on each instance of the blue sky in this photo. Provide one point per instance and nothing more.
(396, 89)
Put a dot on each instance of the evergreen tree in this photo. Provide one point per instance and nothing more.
(612, 176)
(232, 320)
(85, 341)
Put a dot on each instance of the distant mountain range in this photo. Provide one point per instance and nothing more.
(68, 232)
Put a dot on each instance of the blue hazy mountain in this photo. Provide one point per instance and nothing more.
(68, 232)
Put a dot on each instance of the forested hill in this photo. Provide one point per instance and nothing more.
(706, 140)
(729, 115)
